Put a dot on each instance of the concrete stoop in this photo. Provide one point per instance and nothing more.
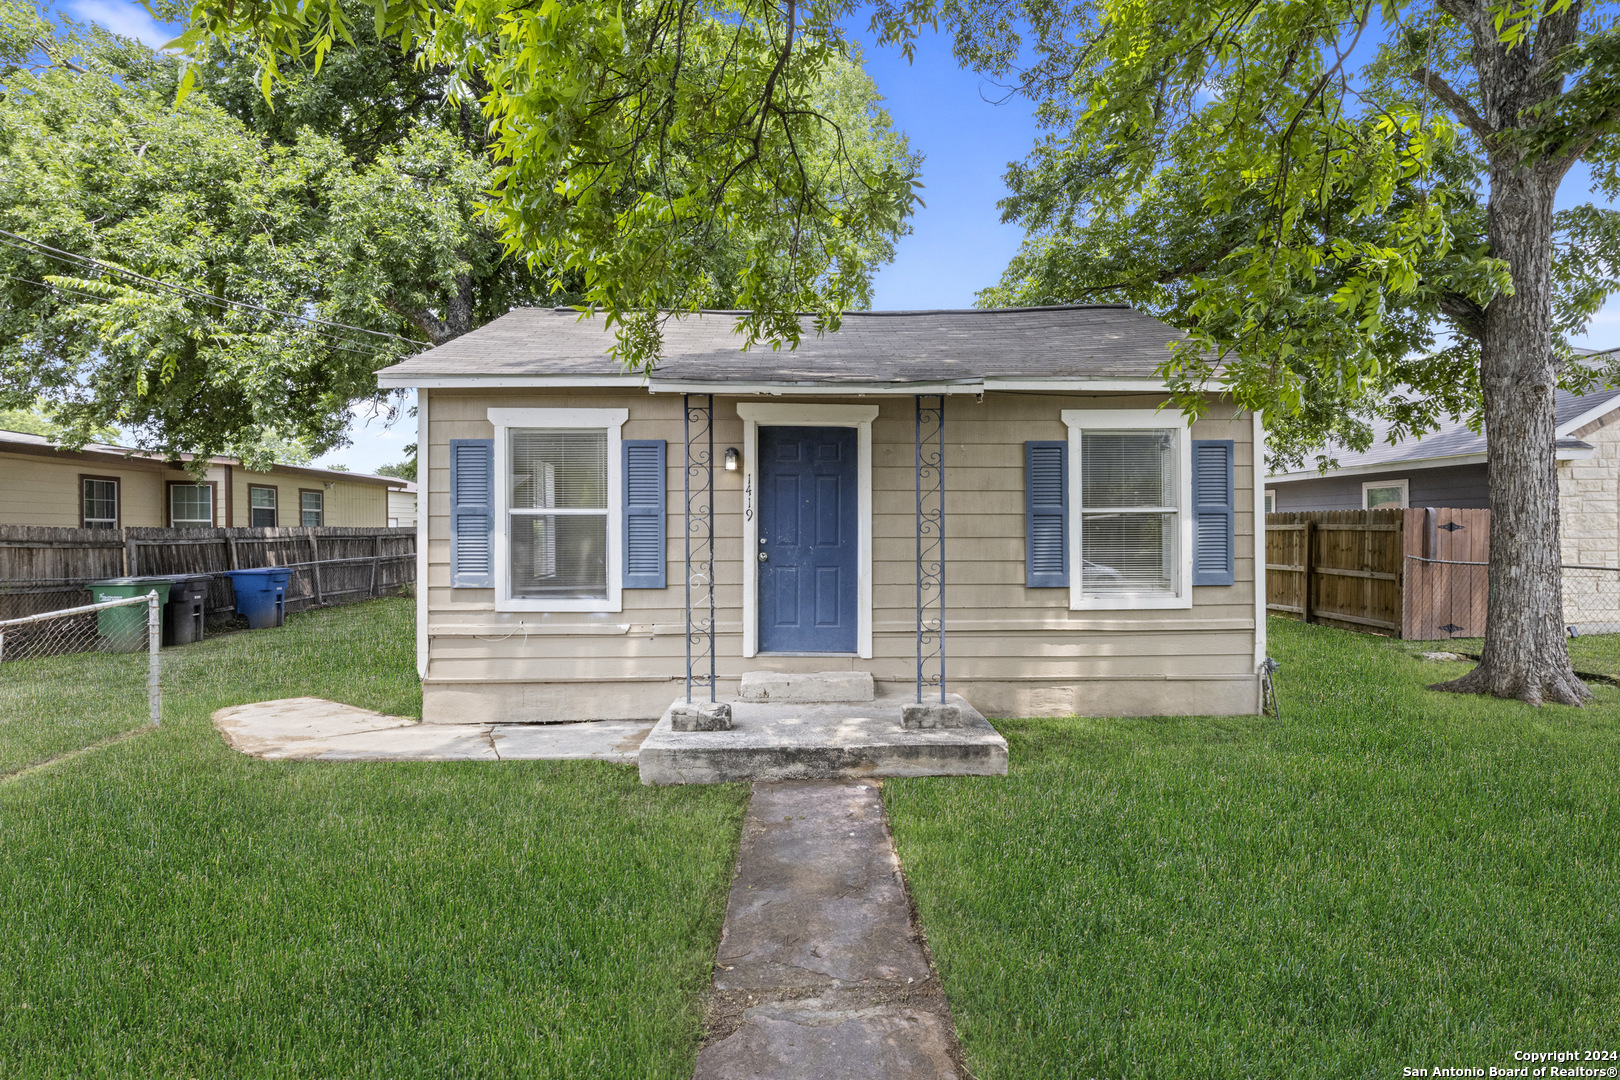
(802, 688)
(822, 741)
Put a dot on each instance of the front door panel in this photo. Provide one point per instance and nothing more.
(808, 580)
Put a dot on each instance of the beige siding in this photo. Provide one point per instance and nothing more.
(40, 490)
(1589, 498)
(1013, 650)
(346, 503)
(402, 509)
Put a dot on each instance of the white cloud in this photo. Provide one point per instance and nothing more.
(123, 17)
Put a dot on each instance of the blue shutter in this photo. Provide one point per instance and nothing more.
(644, 513)
(1213, 506)
(472, 513)
(1046, 515)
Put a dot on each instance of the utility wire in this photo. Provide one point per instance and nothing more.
(111, 268)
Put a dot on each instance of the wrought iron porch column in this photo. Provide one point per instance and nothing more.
(930, 442)
(698, 488)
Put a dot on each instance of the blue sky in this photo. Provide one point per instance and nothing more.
(957, 245)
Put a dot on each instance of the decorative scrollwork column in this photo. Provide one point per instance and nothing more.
(699, 564)
(930, 436)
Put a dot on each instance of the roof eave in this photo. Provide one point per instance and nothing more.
(967, 385)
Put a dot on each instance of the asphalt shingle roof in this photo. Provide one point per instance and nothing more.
(1082, 341)
(1454, 439)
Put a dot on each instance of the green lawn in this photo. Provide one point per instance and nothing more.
(171, 908)
(1387, 877)
(51, 706)
(1593, 654)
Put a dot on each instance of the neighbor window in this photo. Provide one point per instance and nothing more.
(1383, 495)
(191, 506)
(557, 512)
(311, 508)
(262, 507)
(1271, 502)
(99, 502)
(1129, 539)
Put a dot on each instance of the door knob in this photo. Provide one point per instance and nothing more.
(763, 557)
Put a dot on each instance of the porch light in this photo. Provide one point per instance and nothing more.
(732, 459)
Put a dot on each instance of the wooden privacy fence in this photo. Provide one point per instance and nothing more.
(45, 569)
(1414, 573)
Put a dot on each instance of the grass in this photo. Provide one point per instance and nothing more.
(171, 908)
(53, 706)
(1593, 654)
(1388, 877)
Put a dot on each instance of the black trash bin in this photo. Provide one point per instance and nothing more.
(183, 614)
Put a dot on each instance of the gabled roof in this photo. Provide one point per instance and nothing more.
(1453, 443)
(25, 443)
(544, 346)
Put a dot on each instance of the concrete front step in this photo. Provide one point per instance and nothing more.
(803, 688)
(829, 741)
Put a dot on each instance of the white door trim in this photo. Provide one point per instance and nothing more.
(782, 414)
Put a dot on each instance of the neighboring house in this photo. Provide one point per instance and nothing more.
(1098, 553)
(113, 487)
(1446, 468)
(402, 506)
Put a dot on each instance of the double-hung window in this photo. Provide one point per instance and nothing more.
(98, 502)
(558, 522)
(1130, 520)
(311, 508)
(262, 506)
(191, 506)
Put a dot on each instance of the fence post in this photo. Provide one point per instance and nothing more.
(154, 641)
(131, 555)
(376, 556)
(1307, 558)
(315, 570)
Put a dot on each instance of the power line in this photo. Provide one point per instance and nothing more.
(74, 258)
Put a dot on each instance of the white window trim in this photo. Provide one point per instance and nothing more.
(1268, 494)
(1079, 420)
(1406, 492)
(773, 414)
(609, 420)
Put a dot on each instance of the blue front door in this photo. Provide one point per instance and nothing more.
(808, 539)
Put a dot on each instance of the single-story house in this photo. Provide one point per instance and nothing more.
(111, 487)
(1098, 550)
(402, 506)
(1447, 468)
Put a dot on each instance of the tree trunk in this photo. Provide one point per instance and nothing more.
(1525, 655)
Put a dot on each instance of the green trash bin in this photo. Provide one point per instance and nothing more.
(123, 629)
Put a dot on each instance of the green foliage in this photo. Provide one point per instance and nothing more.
(1386, 877)
(404, 470)
(639, 146)
(1319, 227)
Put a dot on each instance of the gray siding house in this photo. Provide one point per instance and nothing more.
(1446, 468)
(585, 532)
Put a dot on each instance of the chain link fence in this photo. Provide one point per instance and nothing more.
(1446, 601)
(76, 675)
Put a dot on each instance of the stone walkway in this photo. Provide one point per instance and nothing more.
(316, 729)
(821, 971)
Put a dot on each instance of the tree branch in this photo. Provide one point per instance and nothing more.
(1468, 316)
(1459, 105)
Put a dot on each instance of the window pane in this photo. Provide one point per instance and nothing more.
(101, 504)
(1127, 468)
(262, 498)
(1385, 496)
(561, 556)
(562, 470)
(191, 506)
(1127, 553)
(310, 503)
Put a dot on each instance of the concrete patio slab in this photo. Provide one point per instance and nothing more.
(598, 740)
(419, 742)
(820, 971)
(313, 729)
(822, 742)
(266, 725)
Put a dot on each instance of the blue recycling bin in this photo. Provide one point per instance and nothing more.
(261, 595)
